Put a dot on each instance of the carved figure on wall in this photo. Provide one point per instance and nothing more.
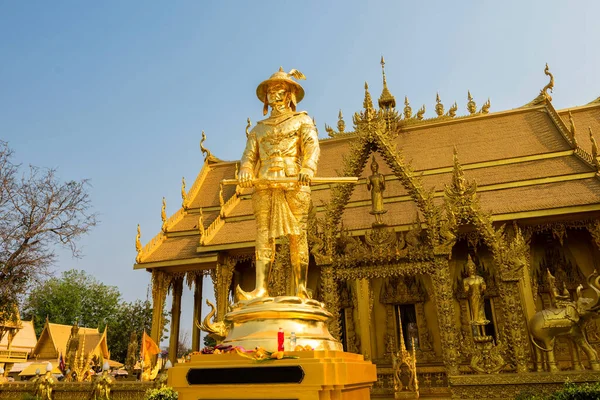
(474, 286)
(569, 320)
(376, 185)
(283, 145)
(45, 385)
(558, 300)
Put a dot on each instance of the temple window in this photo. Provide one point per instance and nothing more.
(406, 317)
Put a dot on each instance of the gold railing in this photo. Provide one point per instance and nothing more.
(13, 356)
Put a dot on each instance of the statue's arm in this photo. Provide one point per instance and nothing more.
(248, 161)
(382, 182)
(309, 146)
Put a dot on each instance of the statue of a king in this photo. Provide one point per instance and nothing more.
(285, 145)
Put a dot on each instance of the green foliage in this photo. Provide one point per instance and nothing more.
(129, 317)
(570, 391)
(164, 393)
(76, 295)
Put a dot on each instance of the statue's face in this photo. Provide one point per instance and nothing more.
(277, 95)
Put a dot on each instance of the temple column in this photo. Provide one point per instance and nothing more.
(198, 279)
(515, 321)
(330, 296)
(177, 286)
(363, 295)
(160, 285)
(221, 277)
(444, 302)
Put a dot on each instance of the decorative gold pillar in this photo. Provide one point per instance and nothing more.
(160, 285)
(514, 319)
(363, 295)
(177, 287)
(221, 277)
(330, 296)
(444, 302)
(198, 279)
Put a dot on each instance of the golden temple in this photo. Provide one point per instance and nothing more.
(447, 255)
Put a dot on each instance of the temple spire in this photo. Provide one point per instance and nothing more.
(386, 100)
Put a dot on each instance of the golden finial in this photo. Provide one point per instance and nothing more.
(368, 104)
(485, 108)
(421, 112)
(471, 106)
(183, 195)
(163, 215)
(594, 149)
(452, 110)
(203, 149)
(572, 129)
(439, 107)
(221, 200)
(341, 124)
(386, 100)
(407, 109)
(237, 170)
(138, 245)
(201, 229)
(248, 127)
(550, 84)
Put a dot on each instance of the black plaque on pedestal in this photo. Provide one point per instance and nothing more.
(245, 375)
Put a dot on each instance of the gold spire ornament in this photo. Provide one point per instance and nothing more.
(386, 100)
(369, 110)
(471, 105)
(138, 245)
(439, 107)
(594, 149)
(572, 129)
(183, 193)
(201, 229)
(550, 84)
(407, 109)
(341, 125)
(163, 215)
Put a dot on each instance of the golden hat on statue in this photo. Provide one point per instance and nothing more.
(285, 77)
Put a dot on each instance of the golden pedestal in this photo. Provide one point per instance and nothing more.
(255, 323)
(314, 375)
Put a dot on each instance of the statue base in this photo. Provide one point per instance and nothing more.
(313, 375)
(255, 323)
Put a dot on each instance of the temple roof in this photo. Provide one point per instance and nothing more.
(56, 337)
(523, 161)
(24, 339)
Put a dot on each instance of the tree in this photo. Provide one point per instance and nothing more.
(37, 213)
(183, 344)
(76, 295)
(130, 317)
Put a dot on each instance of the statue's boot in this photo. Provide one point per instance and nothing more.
(301, 272)
(261, 283)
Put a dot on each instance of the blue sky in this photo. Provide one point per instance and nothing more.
(118, 92)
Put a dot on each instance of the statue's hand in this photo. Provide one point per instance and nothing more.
(305, 176)
(245, 179)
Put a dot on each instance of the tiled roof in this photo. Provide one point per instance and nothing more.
(584, 117)
(519, 159)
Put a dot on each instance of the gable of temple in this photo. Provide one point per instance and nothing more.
(54, 341)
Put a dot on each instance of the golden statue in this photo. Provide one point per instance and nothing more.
(557, 299)
(285, 145)
(376, 185)
(103, 384)
(44, 385)
(474, 285)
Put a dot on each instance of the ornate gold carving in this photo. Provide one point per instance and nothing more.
(208, 156)
(420, 113)
(138, 245)
(407, 109)
(222, 277)
(439, 107)
(402, 290)
(163, 215)
(452, 111)
(376, 185)
(183, 193)
(216, 330)
(248, 125)
(572, 129)
(595, 159)
(594, 229)
(471, 106)
(544, 96)
(341, 124)
(485, 108)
